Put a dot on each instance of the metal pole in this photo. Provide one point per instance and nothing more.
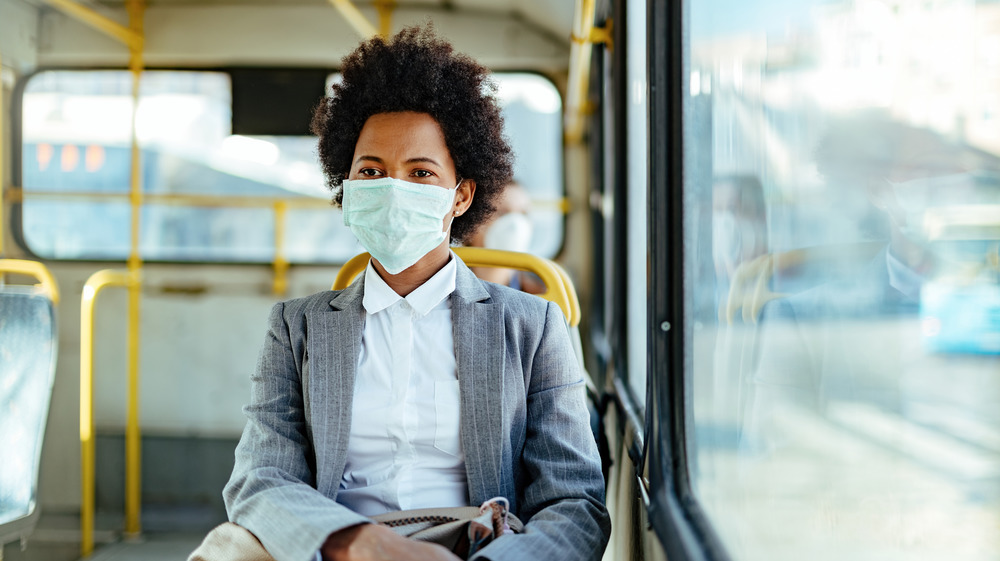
(94, 284)
(95, 20)
(280, 284)
(3, 154)
(385, 8)
(354, 17)
(133, 437)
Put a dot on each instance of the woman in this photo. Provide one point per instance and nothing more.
(419, 385)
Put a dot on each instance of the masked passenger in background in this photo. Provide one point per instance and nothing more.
(739, 232)
(509, 229)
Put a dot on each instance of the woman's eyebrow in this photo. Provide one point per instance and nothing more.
(371, 158)
(423, 159)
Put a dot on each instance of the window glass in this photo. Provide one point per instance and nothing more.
(843, 218)
(210, 195)
(637, 113)
(532, 112)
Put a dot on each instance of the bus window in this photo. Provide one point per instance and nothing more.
(842, 209)
(209, 195)
(532, 111)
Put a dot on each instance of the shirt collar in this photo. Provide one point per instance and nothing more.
(378, 295)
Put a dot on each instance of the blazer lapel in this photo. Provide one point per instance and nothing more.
(334, 343)
(477, 323)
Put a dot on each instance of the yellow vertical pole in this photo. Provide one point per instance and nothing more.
(87, 447)
(3, 154)
(133, 443)
(385, 9)
(280, 263)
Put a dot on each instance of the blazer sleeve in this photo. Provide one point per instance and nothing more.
(272, 491)
(561, 493)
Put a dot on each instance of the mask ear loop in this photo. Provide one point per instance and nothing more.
(455, 213)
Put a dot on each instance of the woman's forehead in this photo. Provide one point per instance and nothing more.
(402, 135)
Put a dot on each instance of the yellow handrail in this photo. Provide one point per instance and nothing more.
(584, 36)
(46, 284)
(3, 114)
(548, 271)
(385, 8)
(95, 283)
(280, 262)
(355, 18)
(555, 287)
(574, 301)
(749, 288)
(18, 194)
(101, 23)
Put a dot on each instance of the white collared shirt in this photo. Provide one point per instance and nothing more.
(404, 450)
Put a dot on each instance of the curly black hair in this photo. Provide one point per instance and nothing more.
(417, 71)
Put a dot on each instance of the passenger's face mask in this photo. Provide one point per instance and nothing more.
(398, 222)
(735, 240)
(510, 232)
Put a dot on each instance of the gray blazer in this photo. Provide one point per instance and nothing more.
(525, 426)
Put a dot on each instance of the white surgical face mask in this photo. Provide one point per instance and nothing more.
(735, 240)
(510, 232)
(398, 222)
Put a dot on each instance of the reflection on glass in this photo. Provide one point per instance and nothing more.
(846, 331)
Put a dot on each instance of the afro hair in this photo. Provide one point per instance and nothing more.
(417, 71)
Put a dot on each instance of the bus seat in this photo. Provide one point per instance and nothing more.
(555, 279)
(751, 288)
(558, 288)
(27, 368)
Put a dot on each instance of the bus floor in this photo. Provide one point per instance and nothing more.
(152, 547)
(57, 538)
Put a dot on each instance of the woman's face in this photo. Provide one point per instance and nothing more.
(409, 146)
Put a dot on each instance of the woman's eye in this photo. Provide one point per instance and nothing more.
(423, 173)
(369, 172)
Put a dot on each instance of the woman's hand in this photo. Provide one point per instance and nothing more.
(372, 542)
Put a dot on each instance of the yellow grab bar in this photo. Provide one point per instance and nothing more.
(349, 270)
(105, 25)
(555, 290)
(46, 284)
(355, 18)
(555, 287)
(95, 283)
(574, 300)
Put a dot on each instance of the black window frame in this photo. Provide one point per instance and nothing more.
(674, 512)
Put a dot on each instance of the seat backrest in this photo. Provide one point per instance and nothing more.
(27, 367)
(558, 286)
(750, 288)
